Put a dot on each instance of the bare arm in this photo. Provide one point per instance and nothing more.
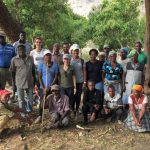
(142, 112)
(40, 80)
(55, 78)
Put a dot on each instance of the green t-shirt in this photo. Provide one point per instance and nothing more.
(66, 77)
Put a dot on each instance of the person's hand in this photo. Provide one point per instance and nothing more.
(96, 106)
(92, 118)
(137, 122)
(74, 91)
(107, 110)
(44, 91)
(84, 85)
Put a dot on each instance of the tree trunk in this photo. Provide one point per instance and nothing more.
(147, 42)
(8, 24)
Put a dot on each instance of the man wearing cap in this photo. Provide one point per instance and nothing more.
(22, 40)
(123, 60)
(134, 73)
(77, 64)
(112, 73)
(57, 57)
(106, 50)
(23, 76)
(48, 73)
(7, 52)
(138, 118)
(58, 106)
(142, 58)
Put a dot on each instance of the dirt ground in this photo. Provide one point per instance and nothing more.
(103, 136)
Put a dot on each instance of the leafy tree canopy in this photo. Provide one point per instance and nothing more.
(116, 23)
(53, 20)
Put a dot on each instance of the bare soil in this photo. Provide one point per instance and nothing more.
(103, 136)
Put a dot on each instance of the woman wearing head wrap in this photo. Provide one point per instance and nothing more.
(112, 73)
(133, 74)
(123, 60)
(138, 118)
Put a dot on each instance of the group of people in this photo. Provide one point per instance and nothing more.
(111, 82)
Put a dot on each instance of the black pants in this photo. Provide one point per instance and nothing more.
(69, 93)
(116, 114)
(77, 97)
(89, 109)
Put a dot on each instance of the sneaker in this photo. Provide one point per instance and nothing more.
(85, 122)
(119, 122)
(38, 119)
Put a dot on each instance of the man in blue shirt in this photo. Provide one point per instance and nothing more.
(7, 52)
(48, 74)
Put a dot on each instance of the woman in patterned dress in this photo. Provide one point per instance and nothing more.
(138, 118)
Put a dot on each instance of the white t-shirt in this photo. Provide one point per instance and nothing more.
(38, 57)
(145, 100)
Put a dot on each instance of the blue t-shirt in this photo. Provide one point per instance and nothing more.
(48, 73)
(110, 73)
(7, 52)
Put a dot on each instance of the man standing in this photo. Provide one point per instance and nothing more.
(58, 106)
(48, 73)
(7, 52)
(23, 74)
(57, 57)
(22, 40)
(65, 48)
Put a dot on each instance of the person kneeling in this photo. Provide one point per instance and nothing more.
(113, 105)
(92, 102)
(58, 106)
(138, 118)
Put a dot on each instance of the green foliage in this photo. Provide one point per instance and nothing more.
(117, 23)
(53, 20)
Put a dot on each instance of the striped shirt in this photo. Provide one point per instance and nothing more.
(7, 52)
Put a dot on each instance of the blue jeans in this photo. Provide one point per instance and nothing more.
(99, 86)
(25, 101)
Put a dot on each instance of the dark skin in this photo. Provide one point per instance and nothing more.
(22, 55)
(136, 118)
(22, 38)
(138, 47)
(111, 92)
(56, 48)
(66, 48)
(134, 59)
(113, 62)
(48, 62)
(57, 96)
(123, 55)
(93, 59)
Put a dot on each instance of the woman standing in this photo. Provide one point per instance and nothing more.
(133, 74)
(93, 70)
(67, 79)
(138, 118)
(77, 64)
(112, 73)
(38, 55)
